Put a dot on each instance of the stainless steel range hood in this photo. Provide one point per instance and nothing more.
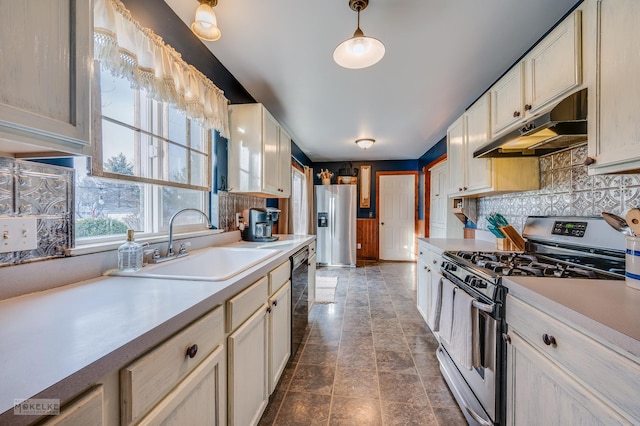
(559, 126)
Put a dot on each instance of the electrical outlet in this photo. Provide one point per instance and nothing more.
(359, 246)
(18, 233)
(238, 217)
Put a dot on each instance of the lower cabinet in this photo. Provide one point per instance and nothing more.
(248, 371)
(86, 410)
(558, 375)
(428, 274)
(181, 379)
(540, 393)
(198, 400)
(279, 333)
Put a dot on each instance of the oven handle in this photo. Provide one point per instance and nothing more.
(484, 307)
(476, 416)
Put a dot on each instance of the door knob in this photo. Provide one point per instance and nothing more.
(381, 223)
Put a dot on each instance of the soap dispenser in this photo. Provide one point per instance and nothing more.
(130, 254)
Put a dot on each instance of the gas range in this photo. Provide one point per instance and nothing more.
(558, 247)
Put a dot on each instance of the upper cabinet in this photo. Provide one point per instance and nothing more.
(614, 133)
(550, 70)
(470, 176)
(45, 102)
(259, 153)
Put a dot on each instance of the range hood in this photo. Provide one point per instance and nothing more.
(560, 126)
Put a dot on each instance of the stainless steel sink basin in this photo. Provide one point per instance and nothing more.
(212, 264)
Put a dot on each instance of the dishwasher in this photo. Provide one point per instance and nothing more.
(299, 297)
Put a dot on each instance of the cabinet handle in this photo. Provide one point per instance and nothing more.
(516, 113)
(192, 351)
(589, 161)
(275, 303)
(548, 340)
(506, 338)
(527, 107)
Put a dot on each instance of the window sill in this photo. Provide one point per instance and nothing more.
(113, 245)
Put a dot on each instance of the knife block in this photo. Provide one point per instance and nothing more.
(514, 237)
(505, 244)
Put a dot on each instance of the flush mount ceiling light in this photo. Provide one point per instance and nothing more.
(205, 24)
(365, 143)
(359, 51)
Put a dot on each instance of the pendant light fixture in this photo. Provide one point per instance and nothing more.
(205, 24)
(365, 143)
(359, 51)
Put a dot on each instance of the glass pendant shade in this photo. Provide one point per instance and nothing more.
(205, 24)
(365, 143)
(359, 51)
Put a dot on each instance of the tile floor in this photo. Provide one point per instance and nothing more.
(367, 359)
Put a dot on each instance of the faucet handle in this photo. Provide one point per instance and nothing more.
(182, 249)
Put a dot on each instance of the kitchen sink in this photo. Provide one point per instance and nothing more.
(212, 264)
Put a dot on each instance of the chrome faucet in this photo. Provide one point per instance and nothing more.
(182, 251)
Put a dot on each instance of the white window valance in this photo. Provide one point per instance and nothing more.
(127, 49)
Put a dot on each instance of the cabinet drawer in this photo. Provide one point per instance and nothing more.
(87, 410)
(608, 374)
(145, 382)
(312, 248)
(244, 304)
(434, 260)
(279, 276)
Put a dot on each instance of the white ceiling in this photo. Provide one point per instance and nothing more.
(440, 56)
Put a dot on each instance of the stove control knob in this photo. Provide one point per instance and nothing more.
(449, 267)
(479, 283)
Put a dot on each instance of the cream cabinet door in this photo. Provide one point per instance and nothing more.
(248, 377)
(200, 399)
(423, 289)
(540, 393)
(554, 66)
(438, 201)
(478, 169)
(616, 145)
(506, 100)
(45, 97)
(279, 333)
(284, 188)
(456, 156)
(270, 154)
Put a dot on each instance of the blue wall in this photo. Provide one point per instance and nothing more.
(435, 152)
(376, 166)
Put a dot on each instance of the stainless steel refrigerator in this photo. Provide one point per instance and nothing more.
(336, 211)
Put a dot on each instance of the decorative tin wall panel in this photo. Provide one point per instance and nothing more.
(34, 189)
(566, 189)
(230, 203)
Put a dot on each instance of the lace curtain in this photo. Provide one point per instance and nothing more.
(129, 50)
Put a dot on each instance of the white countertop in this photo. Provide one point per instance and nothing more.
(608, 310)
(55, 343)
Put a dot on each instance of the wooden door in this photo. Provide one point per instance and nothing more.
(248, 370)
(397, 216)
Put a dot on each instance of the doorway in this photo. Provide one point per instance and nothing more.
(397, 215)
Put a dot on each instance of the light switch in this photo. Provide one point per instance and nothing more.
(18, 233)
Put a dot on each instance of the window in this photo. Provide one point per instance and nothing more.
(299, 202)
(151, 161)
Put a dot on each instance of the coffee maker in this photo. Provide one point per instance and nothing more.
(260, 224)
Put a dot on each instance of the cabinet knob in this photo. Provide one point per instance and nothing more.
(527, 107)
(516, 113)
(420, 252)
(548, 340)
(464, 187)
(381, 223)
(275, 303)
(459, 188)
(269, 309)
(589, 161)
(192, 351)
(506, 338)
(435, 262)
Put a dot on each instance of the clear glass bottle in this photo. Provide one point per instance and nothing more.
(130, 254)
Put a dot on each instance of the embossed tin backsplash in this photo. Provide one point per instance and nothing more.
(565, 190)
(43, 191)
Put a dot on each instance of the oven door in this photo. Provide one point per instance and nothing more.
(475, 388)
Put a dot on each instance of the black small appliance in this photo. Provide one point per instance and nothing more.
(260, 225)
